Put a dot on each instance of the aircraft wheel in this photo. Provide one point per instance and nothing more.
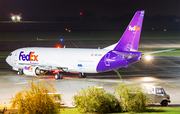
(19, 73)
(82, 75)
(61, 76)
(57, 77)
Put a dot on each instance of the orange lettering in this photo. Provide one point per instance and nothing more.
(31, 56)
(35, 57)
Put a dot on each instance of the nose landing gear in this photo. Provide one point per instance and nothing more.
(58, 76)
(20, 72)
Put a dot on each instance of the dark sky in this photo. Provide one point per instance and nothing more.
(53, 8)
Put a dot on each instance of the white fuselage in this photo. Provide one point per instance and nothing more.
(74, 59)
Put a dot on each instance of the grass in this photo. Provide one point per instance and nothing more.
(4, 54)
(55, 35)
(150, 110)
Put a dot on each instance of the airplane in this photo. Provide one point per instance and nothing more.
(36, 60)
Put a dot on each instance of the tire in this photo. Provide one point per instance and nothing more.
(164, 103)
(80, 75)
(56, 76)
(60, 76)
(19, 73)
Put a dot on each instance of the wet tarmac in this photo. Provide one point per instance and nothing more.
(162, 71)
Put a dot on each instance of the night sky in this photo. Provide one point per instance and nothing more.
(50, 9)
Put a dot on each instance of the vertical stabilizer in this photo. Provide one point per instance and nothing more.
(130, 39)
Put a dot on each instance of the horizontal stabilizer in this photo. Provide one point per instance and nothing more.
(152, 52)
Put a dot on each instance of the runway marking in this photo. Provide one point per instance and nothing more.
(22, 83)
(28, 82)
(171, 85)
(99, 80)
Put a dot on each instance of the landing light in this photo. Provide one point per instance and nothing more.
(149, 57)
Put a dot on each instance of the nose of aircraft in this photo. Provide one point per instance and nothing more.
(8, 60)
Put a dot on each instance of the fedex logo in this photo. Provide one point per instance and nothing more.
(135, 28)
(28, 68)
(28, 57)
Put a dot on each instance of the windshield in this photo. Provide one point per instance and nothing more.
(160, 91)
(10, 54)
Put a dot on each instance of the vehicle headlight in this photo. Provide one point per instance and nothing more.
(13, 18)
(18, 17)
(168, 97)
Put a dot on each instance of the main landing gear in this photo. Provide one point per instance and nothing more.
(20, 72)
(82, 75)
(58, 76)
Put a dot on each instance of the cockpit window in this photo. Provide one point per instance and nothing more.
(10, 54)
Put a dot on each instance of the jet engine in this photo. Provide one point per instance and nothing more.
(32, 71)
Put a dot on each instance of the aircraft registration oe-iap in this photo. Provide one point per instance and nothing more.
(36, 60)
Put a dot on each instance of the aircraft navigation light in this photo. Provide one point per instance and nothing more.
(55, 71)
(58, 47)
(61, 39)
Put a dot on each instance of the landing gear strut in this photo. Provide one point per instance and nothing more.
(82, 75)
(58, 76)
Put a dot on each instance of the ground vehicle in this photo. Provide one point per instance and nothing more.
(158, 95)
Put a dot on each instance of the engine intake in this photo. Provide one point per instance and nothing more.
(32, 71)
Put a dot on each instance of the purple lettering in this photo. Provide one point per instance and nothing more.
(21, 55)
(24, 57)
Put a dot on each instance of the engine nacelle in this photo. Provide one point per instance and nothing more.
(32, 71)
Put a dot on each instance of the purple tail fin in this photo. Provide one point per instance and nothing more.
(130, 39)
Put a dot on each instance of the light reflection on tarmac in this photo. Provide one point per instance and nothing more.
(162, 71)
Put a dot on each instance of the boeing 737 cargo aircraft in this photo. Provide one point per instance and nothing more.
(36, 60)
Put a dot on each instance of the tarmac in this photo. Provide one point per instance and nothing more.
(162, 71)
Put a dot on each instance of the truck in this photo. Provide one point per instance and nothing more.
(158, 95)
